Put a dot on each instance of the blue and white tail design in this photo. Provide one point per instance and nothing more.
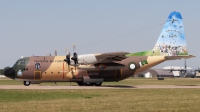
(171, 41)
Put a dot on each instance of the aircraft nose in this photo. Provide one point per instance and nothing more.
(10, 72)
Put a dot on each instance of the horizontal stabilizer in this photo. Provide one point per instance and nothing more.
(178, 57)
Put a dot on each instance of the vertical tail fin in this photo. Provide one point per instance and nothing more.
(171, 41)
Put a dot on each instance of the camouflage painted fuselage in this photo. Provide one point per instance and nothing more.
(54, 69)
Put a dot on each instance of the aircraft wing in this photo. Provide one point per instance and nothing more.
(179, 57)
(110, 57)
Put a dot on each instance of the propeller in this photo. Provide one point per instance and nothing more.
(67, 59)
(55, 53)
(75, 56)
(171, 69)
(182, 70)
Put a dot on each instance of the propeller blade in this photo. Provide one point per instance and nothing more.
(69, 55)
(74, 48)
(55, 53)
(67, 59)
(171, 69)
(66, 51)
(75, 57)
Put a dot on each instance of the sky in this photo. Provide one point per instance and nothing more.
(39, 27)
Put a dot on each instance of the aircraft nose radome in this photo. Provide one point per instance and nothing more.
(10, 72)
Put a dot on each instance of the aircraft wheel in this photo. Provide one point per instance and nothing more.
(89, 84)
(98, 84)
(80, 83)
(27, 83)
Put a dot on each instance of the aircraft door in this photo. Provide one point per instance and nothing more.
(37, 74)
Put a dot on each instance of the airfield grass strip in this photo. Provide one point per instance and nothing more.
(151, 100)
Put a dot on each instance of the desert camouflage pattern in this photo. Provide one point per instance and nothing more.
(53, 68)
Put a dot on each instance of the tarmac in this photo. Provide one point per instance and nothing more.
(39, 87)
(95, 87)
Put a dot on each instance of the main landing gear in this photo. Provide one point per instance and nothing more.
(89, 84)
(27, 83)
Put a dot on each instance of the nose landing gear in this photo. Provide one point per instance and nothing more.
(27, 83)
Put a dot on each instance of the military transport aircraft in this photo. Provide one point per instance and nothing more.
(93, 69)
(185, 72)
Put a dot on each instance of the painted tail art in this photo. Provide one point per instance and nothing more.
(171, 41)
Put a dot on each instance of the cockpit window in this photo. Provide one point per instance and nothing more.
(21, 62)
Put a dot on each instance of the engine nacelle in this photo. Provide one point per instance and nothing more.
(190, 73)
(87, 59)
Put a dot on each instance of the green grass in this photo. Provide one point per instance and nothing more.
(115, 100)
(106, 100)
(35, 95)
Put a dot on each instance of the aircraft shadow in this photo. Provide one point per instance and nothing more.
(117, 86)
